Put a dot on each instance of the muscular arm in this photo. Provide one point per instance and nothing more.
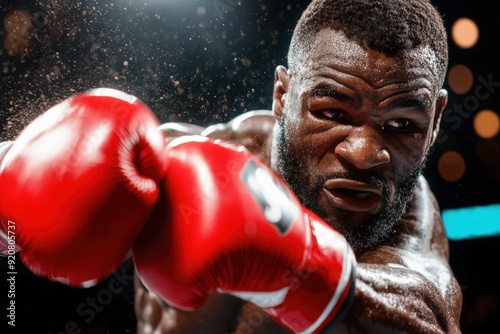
(407, 285)
(252, 130)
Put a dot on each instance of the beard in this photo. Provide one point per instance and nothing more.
(307, 185)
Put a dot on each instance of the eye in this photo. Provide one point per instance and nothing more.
(330, 113)
(399, 123)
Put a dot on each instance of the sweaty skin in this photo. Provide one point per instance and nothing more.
(349, 110)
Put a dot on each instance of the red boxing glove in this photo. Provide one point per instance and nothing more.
(79, 183)
(226, 223)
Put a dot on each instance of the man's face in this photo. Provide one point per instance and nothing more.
(353, 129)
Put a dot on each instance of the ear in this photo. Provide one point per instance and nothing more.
(281, 82)
(441, 102)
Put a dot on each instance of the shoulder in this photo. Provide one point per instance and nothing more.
(418, 240)
(252, 129)
(420, 231)
(252, 123)
(421, 228)
(419, 243)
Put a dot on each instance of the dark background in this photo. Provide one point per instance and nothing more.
(207, 61)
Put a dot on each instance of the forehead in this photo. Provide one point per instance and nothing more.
(332, 49)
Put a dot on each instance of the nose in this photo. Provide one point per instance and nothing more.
(363, 149)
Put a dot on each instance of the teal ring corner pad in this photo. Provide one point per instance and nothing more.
(472, 222)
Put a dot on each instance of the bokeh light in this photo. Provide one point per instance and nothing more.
(460, 79)
(17, 25)
(486, 304)
(465, 33)
(487, 150)
(201, 11)
(451, 166)
(486, 124)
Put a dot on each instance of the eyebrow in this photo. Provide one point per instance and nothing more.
(327, 91)
(414, 102)
(411, 102)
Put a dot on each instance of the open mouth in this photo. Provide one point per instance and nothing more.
(353, 195)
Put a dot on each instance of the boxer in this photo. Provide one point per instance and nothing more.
(353, 118)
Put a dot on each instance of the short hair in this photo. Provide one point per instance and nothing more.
(388, 26)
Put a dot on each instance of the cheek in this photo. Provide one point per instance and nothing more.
(406, 158)
(299, 144)
(308, 145)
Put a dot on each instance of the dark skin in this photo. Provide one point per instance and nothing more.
(381, 119)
